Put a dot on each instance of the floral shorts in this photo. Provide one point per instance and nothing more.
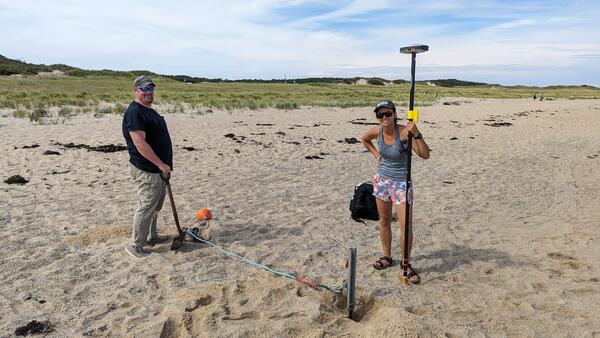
(390, 190)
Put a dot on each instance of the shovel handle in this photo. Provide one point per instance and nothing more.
(170, 193)
(164, 178)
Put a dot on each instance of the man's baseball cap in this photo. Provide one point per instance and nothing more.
(143, 81)
(385, 104)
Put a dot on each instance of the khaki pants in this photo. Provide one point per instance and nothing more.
(151, 196)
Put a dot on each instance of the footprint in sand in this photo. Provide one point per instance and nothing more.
(202, 301)
(415, 310)
(560, 256)
(151, 281)
(566, 261)
(582, 292)
(539, 287)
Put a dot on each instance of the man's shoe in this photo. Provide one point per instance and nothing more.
(136, 252)
(157, 240)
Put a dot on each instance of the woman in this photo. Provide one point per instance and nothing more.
(389, 185)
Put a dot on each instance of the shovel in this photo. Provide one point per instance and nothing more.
(177, 241)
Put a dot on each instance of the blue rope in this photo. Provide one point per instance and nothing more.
(261, 266)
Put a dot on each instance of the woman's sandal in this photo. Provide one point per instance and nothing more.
(380, 265)
(413, 277)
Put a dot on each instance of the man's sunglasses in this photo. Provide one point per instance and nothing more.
(384, 114)
(147, 89)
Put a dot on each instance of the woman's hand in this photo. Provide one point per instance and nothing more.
(412, 128)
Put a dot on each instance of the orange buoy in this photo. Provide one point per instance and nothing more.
(203, 214)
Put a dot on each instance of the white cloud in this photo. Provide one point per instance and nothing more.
(511, 25)
(239, 39)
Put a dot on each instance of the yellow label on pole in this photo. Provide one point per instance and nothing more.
(413, 115)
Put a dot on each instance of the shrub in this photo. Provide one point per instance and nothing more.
(8, 104)
(286, 105)
(20, 113)
(38, 114)
(174, 108)
(376, 82)
(104, 109)
(119, 108)
(76, 72)
(65, 112)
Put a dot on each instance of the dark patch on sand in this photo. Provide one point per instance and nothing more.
(364, 123)
(54, 172)
(108, 148)
(499, 124)
(350, 140)
(238, 139)
(16, 179)
(34, 327)
(31, 146)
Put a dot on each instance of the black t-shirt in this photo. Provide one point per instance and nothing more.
(138, 117)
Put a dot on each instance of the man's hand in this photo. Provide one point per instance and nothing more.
(165, 169)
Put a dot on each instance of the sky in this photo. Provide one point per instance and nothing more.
(505, 42)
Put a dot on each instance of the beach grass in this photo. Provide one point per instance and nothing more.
(111, 94)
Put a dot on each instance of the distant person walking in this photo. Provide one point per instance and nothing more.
(150, 155)
(534, 96)
(389, 184)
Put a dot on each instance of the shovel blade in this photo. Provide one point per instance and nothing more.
(177, 243)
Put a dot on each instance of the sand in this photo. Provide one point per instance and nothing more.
(506, 226)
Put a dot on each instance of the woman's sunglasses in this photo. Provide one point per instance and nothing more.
(384, 114)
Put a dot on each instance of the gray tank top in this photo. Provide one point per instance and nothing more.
(394, 157)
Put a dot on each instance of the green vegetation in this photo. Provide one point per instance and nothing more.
(376, 82)
(20, 113)
(457, 83)
(38, 114)
(65, 112)
(109, 92)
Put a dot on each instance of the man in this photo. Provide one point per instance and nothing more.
(150, 156)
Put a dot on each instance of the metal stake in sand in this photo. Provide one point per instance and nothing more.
(351, 282)
(412, 115)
